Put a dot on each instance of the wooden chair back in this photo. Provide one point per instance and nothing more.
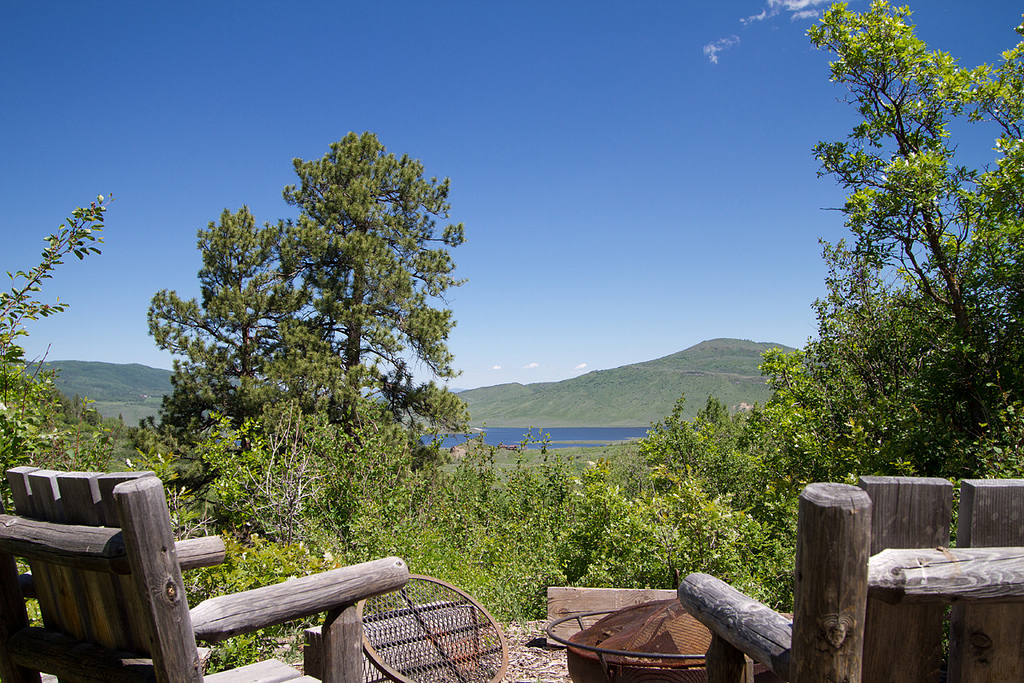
(105, 571)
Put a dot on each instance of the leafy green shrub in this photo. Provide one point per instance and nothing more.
(258, 562)
(650, 541)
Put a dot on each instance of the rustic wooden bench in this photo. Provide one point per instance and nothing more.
(107, 575)
(874, 577)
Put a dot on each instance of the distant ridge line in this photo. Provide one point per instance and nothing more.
(633, 395)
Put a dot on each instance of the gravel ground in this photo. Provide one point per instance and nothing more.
(530, 660)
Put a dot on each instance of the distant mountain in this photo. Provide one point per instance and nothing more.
(132, 391)
(632, 395)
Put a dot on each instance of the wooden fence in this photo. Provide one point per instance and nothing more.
(874, 576)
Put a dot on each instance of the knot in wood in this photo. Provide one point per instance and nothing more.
(833, 629)
(981, 641)
(171, 591)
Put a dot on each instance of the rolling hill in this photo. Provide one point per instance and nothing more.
(632, 395)
(132, 391)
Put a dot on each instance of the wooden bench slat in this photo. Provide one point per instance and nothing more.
(269, 671)
(93, 548)
(86, 547)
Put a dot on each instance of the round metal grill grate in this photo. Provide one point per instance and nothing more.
(431, 632)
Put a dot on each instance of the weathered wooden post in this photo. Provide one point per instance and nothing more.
(987, 641)
(342, 654)
(146, 526)
(903, 643)
(830, 583)
(726, 664)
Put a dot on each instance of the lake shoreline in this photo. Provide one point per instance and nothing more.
(555, 437)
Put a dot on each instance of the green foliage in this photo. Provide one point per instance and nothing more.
(30, 408)
(256, 563)
(652, 540)
(919, 334)
(327, 310)
(264, 481)
(707, 448)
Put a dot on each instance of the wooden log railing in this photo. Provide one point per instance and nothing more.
(218, 618)
(828, 637)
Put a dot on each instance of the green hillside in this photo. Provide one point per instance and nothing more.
(132, 391)
(632, 395)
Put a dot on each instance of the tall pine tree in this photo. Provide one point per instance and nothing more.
(368, 248)
(334, 308)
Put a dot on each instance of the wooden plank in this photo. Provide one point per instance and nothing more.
(903, 644)
(74, 660)
(566, 601)
(146, 524)
(47, 585)
(107, 482)
(726, 663)
(222, 617)
(987, 641)
(110, 624)
(80, 497)
(13, 618)
(830, 583)
(269, 671)
(947, 575)
(67, 607)
(17, 478)
(313, 652)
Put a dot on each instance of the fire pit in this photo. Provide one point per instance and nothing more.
(652, 641)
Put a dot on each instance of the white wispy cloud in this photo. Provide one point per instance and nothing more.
(581, 366)
(531, 366)
(805, 14)
(495, 367)
(755, 17)
(711, 50)
(797, 10)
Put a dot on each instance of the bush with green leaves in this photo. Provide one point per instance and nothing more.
(257, 562)
(31, 425)
(652, 540)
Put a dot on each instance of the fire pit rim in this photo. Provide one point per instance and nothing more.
(605, 650)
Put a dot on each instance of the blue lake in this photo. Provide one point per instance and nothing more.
(558, 437)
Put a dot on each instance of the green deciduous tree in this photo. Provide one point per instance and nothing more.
(28, 400)
(918, 346)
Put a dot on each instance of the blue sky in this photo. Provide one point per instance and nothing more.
(634, 177)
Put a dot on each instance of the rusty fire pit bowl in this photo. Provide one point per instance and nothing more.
(652, 641)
